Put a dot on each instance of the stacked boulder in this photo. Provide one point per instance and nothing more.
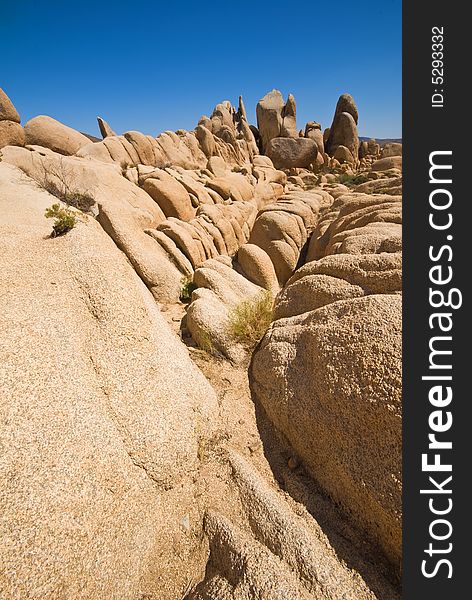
(369, 148)
(11, 132)
(277, 124)
(343, 141)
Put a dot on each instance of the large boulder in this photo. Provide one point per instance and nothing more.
(269, 116)
(170, 195)
(11, 134)
(283, 228)
(346, 104)
(385, 164)
(220, 289)
(46, 131)
(287, 153)
(7, 111)
(343, 132)
(343, 155)
(257, 266)
(392, 149)
(345, 424)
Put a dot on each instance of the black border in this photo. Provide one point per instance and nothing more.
(426, 129)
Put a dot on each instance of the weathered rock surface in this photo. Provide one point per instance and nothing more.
(313, 132)
(125, 212)
(289, 119)
(170, 195)
(269, 116)
(344, 155)
(11, 134)
(287, 153)
(283, 556)
(276, 118)
(358, 224)
(126, 459)
(343, 308)
(351, 409)
(339, 277)
(392, 149)
(102, 413)
(282, 228)
(7, 111)
(105, 128)
(46, 131)
(219, 289)
(384, 164)
(257, 266)
(343, 132)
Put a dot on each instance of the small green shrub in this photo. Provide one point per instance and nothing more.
(352, 179)
(186, 290)
(64, 219)
(250, 319)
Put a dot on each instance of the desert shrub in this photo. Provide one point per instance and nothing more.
(186, 290)
(64, 219)
(205, 342)
(60, 182)
(352, 179)
(250, 319)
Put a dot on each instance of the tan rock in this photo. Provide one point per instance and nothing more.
(46, 131)
(7, 111)
(125, 212)
(170, 195)
(287, 153)
(343, 154)
(11, 134)
(257, 266)
(106, 412)
(269, 117)
(206, 140)
(393, 149)
(346, 424)
(289, 119)
(339, 277)
(105, 129)
(142, 146)
(313, 131)
(343, 132)
(384, 164)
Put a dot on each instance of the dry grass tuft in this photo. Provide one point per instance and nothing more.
(250, 319)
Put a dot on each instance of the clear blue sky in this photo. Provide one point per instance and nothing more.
(154, 66)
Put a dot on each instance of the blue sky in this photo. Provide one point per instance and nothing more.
(153, 66)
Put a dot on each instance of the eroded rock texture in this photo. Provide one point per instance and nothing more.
(338, 326)
(126, 474)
